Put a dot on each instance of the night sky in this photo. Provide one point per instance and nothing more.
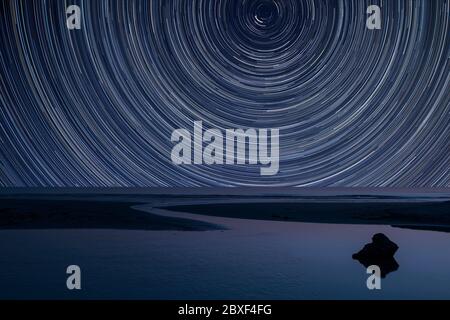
(97, 106)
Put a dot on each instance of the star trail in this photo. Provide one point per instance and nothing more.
(97, 106)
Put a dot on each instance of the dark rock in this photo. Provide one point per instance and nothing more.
(380, 247)
(379, 252)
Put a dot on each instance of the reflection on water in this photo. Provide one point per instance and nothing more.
(379, 252)
(251, 259)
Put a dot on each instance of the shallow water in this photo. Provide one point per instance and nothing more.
(251, 260)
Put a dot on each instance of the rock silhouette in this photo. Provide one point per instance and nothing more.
(379, 252)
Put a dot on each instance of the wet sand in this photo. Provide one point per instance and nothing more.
(70, 214)
(416, 215)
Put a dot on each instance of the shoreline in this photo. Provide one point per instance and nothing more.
(137, 213)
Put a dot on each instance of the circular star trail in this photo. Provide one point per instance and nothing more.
(97, 106)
